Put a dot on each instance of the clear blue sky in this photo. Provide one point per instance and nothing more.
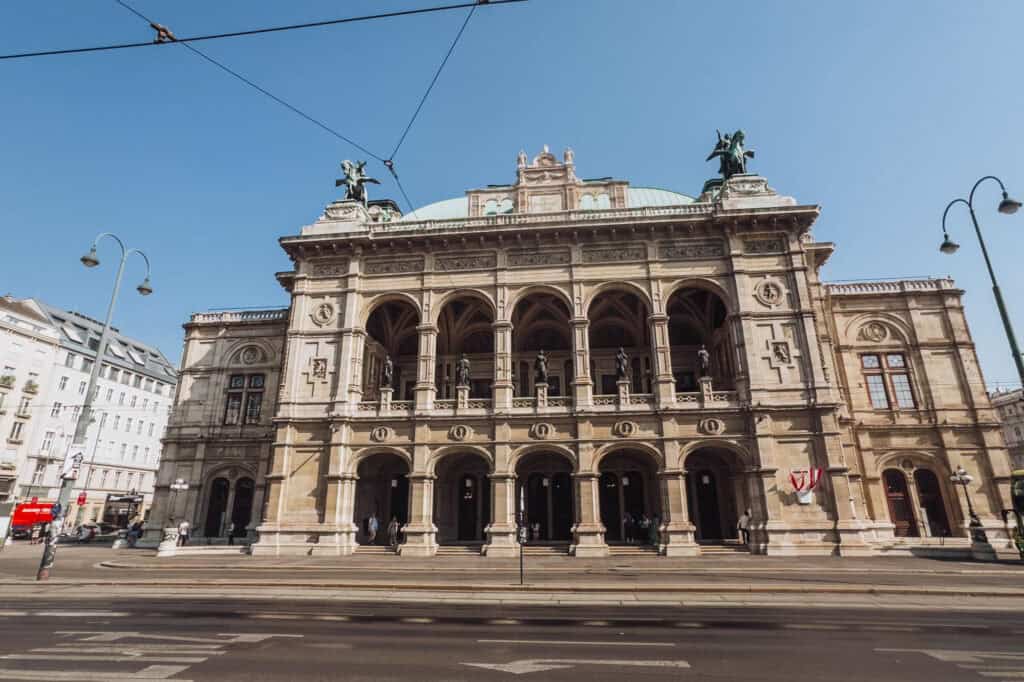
(878, 111)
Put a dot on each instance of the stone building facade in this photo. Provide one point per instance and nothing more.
(695, 366)
(1009, 406)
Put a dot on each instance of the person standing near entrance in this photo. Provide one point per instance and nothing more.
(183, 530)
(393, 533)
(231, 532)
(743, 525)
(372, 526)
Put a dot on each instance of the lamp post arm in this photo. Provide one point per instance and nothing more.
(946, 212)
(144, 257)
(970, 197)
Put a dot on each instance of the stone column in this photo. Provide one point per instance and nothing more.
(425, 389)
(677, 533)
(339, 512)
(385, 401)
(661, 351)
(420, 532)
(542, 395)
(502, 394)
(623, 392)
(501, 534)
(588, 533)
(461, 397)
(354, 342)
(582, 388)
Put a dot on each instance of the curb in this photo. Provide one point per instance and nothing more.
(695, 588)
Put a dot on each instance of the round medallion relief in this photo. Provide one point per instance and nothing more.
(769, 292)
(460, 432)
(711, 426)
(250, 355)
(874, 331)
(323, 313)
(542, 431)
(625, 429)
(381, 433)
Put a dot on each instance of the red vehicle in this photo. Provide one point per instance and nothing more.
(27, 514)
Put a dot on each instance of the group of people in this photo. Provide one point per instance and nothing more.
(371, 526)
(640, 529)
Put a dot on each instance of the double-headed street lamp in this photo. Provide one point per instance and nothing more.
(1007, 206)
(76, 454)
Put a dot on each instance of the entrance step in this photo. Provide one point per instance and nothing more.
(374, 550)
(546, 550)
(632, 550)
(724, 548)
(458, 550)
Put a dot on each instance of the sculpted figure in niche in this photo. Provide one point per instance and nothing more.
(462, 371)
(704, 360)
(387, 372)
(540, 369)
(621, 364)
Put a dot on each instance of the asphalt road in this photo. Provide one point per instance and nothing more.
(127, 637)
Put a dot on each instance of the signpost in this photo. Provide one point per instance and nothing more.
(521, 534)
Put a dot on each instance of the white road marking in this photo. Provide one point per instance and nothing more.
(142, 649)
(236, 638)
(811, 626)
(340, 619)
(139, 658)
(417, 620)
(1001, 673)
(81, 614)
(153, 672)
(682, 624)
(526, 666)
(959, 656)
(566, 641)
(887, 628)
(275, 616)
(504, 621)
(595, 623)
(13, 613)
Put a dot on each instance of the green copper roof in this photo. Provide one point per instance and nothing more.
(638, 197)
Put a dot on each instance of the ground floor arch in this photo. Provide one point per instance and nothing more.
(916, 502)
(715, 493)
(545, 495)
(462, 499)
(629, 499)
(382, 494)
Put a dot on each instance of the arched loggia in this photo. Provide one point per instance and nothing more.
(696, 318)
(540, 322)
(391, 332)
(618, 319)
(465, 327)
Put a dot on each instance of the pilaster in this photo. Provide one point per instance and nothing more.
(425, 388)
(420, 532)
(501, 533)
(588, 533)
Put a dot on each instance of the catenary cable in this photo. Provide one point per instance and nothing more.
(257, 31)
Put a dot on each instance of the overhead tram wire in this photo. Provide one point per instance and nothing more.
(257, 31)
(256, 87)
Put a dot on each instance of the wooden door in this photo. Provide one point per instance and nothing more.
(900, 510)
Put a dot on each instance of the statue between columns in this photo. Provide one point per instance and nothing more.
(387, 372)
(462, 371)
(704, 360)
(621, 364)
(540, 369)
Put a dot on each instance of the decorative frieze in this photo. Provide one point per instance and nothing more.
(691, 250)
(393, 267)
(333, 268)
(612, 254)
(767, 245)
(476, 261)
(535, 258)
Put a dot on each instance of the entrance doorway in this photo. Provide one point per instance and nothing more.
(382, 492)
(545, 487)
(900, 508)
(216, 507)
(714, 494)
(462, 499)
(930, 494)
(241, 507)
(628, 499)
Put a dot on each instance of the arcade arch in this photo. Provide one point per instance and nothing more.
(540, 322)
(462, 498)
(545, 494)
(465, 326)
(629, 499)
(697, 317)
(618, 319)
(391, 332)
(382, 492)
(229, 505)
(715, 493)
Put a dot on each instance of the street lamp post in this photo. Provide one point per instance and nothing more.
(72, 462)
(977, 530)
(1007, 206)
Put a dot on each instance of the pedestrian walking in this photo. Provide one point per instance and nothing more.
(37, 530)
(393, 533)
(372, 526)
(184, 528)
(653, 531)
(627, 525)
(231, 532)
(743, 525)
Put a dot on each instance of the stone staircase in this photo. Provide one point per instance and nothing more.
(632, 550)
(724, 548)
(546, 550)
(374, 550)
(458, 550)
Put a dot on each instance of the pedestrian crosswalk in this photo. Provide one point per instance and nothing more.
(1007, 666)
(120, 655)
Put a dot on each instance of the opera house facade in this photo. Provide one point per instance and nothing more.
(617, 369)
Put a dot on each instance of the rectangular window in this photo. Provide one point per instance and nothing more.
(23, 406)
(117, 480)
(69, 361)
(888, 381)
(145, 403)
(86, 365)
(16, 430)
(233, 407)
(114, 373)
(103, 478)
(117, 421)
(133, 401)
(103, 420)
(151, 426)
(138, 427)
(124, 451)
(126, 378)
(149, 385)
(81, 387)
(876, 390)
(39, 473)
(135, 452)
(253, 404)
(63, 384)
(128, 425)
(236, 381)
(146, 457)
(110, 394)
(75, 411)
(138, 381)
(120, 398)
(47, 445)
(901, 391)
(55, 412)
